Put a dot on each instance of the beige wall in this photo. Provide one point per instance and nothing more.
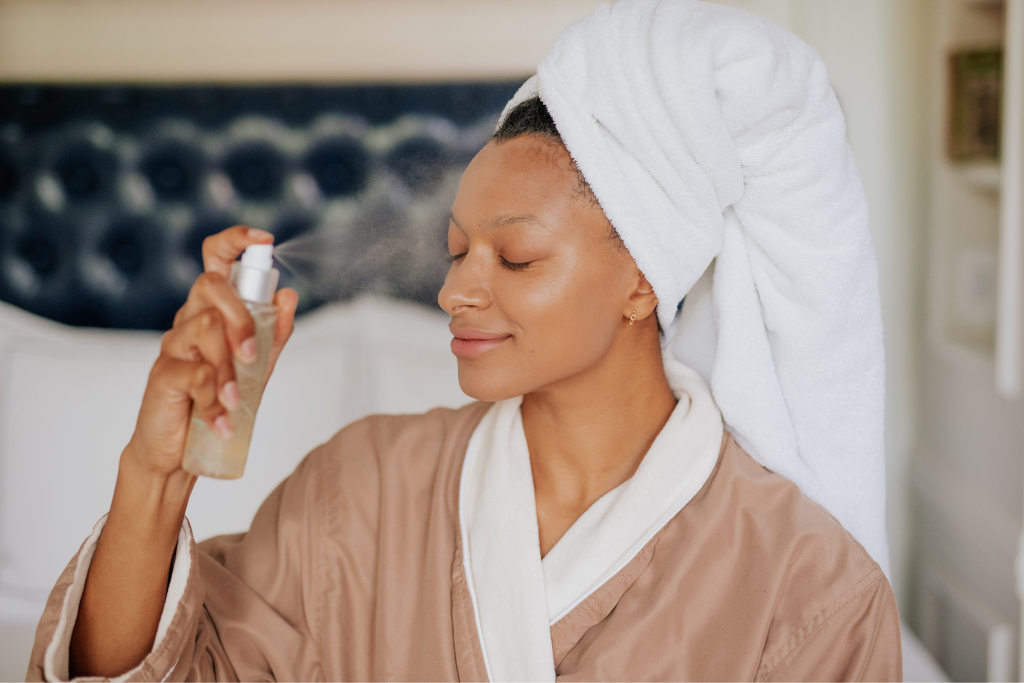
(261, 40)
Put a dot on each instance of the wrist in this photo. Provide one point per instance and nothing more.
(148, 498)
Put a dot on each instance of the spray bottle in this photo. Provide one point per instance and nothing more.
(206, 452)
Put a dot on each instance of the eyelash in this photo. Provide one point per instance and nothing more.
(505, 263)
(508, 265)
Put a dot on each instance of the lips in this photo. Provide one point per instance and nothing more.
(469, 343)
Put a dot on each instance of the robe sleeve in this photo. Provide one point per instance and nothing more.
(238, 607)
(857, 640)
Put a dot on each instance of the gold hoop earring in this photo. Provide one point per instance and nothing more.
(632, 318)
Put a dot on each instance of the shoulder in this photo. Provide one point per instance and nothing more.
(409, 446)
(395, 435)
(791, 527)
(813, 570)
(382, 472)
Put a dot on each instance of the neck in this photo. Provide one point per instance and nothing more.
(588, 433)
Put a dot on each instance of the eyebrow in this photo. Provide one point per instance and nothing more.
(502, 221)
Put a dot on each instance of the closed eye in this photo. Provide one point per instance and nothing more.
(452, 258)
(505, 263)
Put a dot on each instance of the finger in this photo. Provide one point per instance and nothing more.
(195, 380)
(213, 291)
(285, 301)
(203, 390)
(221, 250)
(201, 338)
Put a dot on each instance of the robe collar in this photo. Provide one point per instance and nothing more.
(516, 595)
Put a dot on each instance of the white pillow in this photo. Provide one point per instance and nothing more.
(69, 407)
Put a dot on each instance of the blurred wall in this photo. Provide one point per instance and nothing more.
(266, 40)
(968, 464)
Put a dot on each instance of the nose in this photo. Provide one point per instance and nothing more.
(465, 286)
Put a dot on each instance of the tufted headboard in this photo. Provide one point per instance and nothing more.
(106, 193)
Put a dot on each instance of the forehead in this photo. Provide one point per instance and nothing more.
(526, 175)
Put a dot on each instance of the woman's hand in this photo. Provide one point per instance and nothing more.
(127, 581)
(195, 363)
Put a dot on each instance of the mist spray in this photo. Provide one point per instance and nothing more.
(206, 452)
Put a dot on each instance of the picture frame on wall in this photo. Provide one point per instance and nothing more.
(975, 108)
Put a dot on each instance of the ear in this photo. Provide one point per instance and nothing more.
(642, 299)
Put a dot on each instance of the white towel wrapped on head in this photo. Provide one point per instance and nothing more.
(716, 147)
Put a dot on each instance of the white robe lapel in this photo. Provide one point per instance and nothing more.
(516, 596)
(615, 528)
(501, 549)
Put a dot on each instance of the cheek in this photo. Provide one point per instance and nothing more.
(565, 320)
(568, 314)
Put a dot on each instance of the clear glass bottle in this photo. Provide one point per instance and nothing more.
(206, 452)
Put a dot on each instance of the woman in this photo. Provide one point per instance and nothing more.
(590, 518)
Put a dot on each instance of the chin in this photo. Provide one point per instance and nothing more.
(486, 384)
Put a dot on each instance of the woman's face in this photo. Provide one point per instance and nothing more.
(538, 289)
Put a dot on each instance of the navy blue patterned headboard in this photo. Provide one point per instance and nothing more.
(106, 193)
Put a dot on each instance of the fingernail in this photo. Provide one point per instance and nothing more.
(223, 427)
(229, 395)
(256, 233)
(248, 350)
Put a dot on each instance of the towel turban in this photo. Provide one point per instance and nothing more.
(717, 149)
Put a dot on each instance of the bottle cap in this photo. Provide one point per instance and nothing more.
(259, 256)
(254, 277)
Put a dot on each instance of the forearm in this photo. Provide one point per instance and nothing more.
(126, 586)
(127, 582)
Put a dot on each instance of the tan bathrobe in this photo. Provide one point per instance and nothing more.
(352, 570)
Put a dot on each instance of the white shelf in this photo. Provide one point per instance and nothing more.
(984, 177)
